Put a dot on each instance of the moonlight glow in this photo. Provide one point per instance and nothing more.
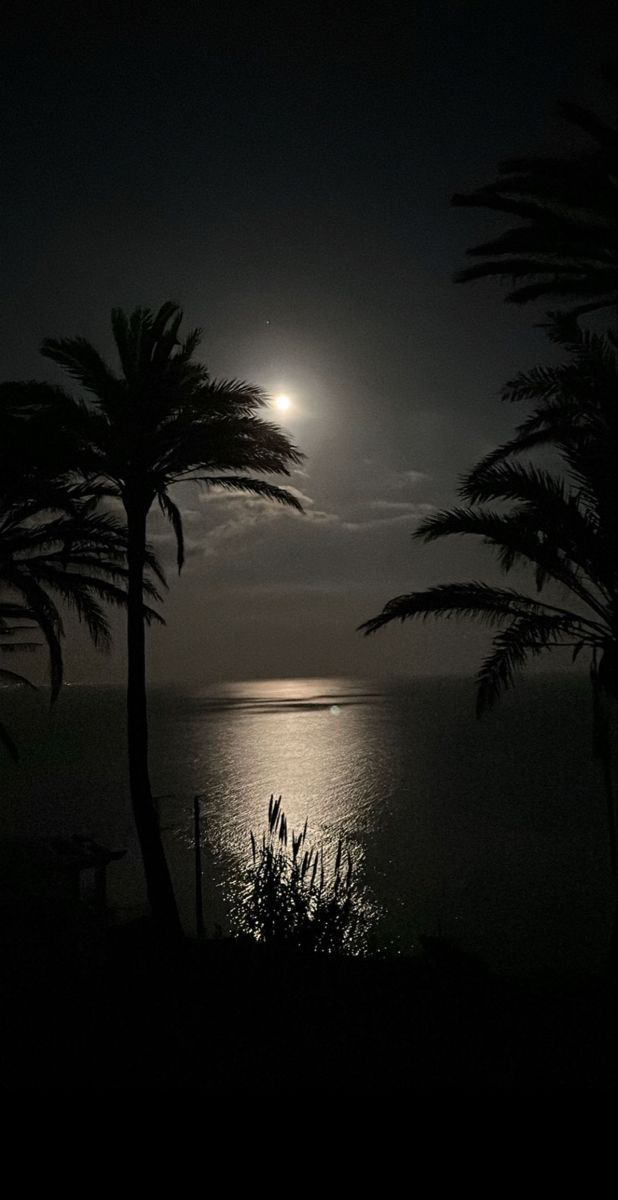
(282, 403)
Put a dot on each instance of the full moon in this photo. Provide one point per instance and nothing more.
(282, 403)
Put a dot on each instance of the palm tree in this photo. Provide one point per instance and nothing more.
(567, 245)
(55, 549)
(562, 526)
(159, 421)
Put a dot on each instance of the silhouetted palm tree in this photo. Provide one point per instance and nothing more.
(567, 243)
(162, 420)
(563, 527)
(54, 549)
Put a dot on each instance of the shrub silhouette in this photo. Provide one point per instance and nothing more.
(293, 896)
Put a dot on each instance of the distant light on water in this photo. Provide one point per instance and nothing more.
(381, 780)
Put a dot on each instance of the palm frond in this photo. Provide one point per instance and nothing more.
(254, 487)
(491, 605)
(174, 516)
(526, 637)
(190, 345)
(566, 243)
(512, 481)
(77, 594)
(560, 550)
(230, 398)
(81, 360)
(238, 443)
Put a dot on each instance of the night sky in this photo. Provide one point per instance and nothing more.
(287, 180)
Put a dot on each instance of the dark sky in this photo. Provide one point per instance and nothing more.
(286, 179)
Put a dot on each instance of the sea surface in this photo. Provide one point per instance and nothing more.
(488, 832)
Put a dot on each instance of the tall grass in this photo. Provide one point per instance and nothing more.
(296, 896)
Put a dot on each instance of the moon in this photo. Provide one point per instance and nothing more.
(282, 403)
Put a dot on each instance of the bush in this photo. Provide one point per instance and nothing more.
(293, 896)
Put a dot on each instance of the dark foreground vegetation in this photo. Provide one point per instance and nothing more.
(118, 1011)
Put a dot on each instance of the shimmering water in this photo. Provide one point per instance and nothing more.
(489, 832)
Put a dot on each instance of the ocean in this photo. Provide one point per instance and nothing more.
(491, 833)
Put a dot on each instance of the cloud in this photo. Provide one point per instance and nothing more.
(237, 529)
(244, 501)
(393, 505)
(393, 514)
(229, 517)
(401, 479)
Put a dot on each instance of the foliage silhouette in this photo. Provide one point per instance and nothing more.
(161, 420)
(563, 527)
(293, 897)
(54, 549)
(567, 243)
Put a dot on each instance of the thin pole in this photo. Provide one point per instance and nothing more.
(199, 902)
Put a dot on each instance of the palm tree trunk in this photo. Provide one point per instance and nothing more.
(605, 728)
(161, 897)
(612, 758)
(610, 797)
